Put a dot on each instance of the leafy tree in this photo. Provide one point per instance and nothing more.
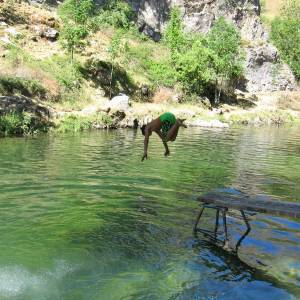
(116, 13)
(195, 67)
(75, 16)
(285, 32)
(174, 35)
(225, 41)
(114, 51)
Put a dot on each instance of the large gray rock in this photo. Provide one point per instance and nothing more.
(120, 103)
(265, 72)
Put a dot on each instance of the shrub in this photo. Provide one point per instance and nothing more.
(174, 36)
(20, 124)
(74, 123)
(116, 13)
(225, 41)
(75, 16)
(195, 67)
(10, 85)
(285, 32)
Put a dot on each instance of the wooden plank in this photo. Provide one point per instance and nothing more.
(256, 204)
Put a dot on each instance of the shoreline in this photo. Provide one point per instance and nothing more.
(24, 116)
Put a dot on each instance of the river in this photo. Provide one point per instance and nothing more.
(81, 217)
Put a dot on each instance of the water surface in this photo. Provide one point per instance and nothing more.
(82, 218)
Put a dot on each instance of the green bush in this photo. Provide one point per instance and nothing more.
(20, 124)
(74, 123)
(116, 13)
(75, 16)
(225, 41)
(10, 85)
(195, 67)
(285, 33)
(205, 63)
(174, 36)
(66, 73)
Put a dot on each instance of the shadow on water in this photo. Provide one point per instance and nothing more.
(226, 266)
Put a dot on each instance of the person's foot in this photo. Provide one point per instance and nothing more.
(180, 122)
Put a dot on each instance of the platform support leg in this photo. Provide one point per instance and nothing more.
(225, 227)
(198, 218)
(246, 233)
(217, 222)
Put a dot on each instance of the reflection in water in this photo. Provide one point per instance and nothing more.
(82, 218)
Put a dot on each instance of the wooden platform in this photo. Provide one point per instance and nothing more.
(223, 201)
(256, 204)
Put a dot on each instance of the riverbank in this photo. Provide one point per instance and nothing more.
(24, 116)
(265, 109)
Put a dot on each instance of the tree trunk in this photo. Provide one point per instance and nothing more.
(111, 78)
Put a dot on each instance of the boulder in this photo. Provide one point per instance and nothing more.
(12, 31)
(51, 34)
(120, 102)
(47, 32)
(19, 104)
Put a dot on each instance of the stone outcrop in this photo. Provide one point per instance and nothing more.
(263, 70)
(20, 104)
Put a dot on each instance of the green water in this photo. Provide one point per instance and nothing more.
(82, 218)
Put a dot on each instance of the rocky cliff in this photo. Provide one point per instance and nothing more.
(263, 70)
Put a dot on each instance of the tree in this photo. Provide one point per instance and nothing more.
(75, 16)
(194, 66)
(225, 41)
(285, 33)
(114, 52)
(174, 35)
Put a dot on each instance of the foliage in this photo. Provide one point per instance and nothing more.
(77, 11)
(202, 62)
(72, 36)
(114, 51)
(19, 124)
(74, 123)
(174, 36)
(10, 85)
(115, 13)
(159, 71)
(66, 73)
(285, 32)
(75, 15)
(225, 41)
(58, 66)
(195, 67)
(99, 73)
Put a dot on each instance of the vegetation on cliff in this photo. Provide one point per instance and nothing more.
(285, 33)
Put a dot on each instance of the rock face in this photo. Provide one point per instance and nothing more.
(263, 71)
(20, 104)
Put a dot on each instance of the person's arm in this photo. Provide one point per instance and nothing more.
(146, 142)
(166, 147)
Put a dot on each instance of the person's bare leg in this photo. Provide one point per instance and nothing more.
(172, 133)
